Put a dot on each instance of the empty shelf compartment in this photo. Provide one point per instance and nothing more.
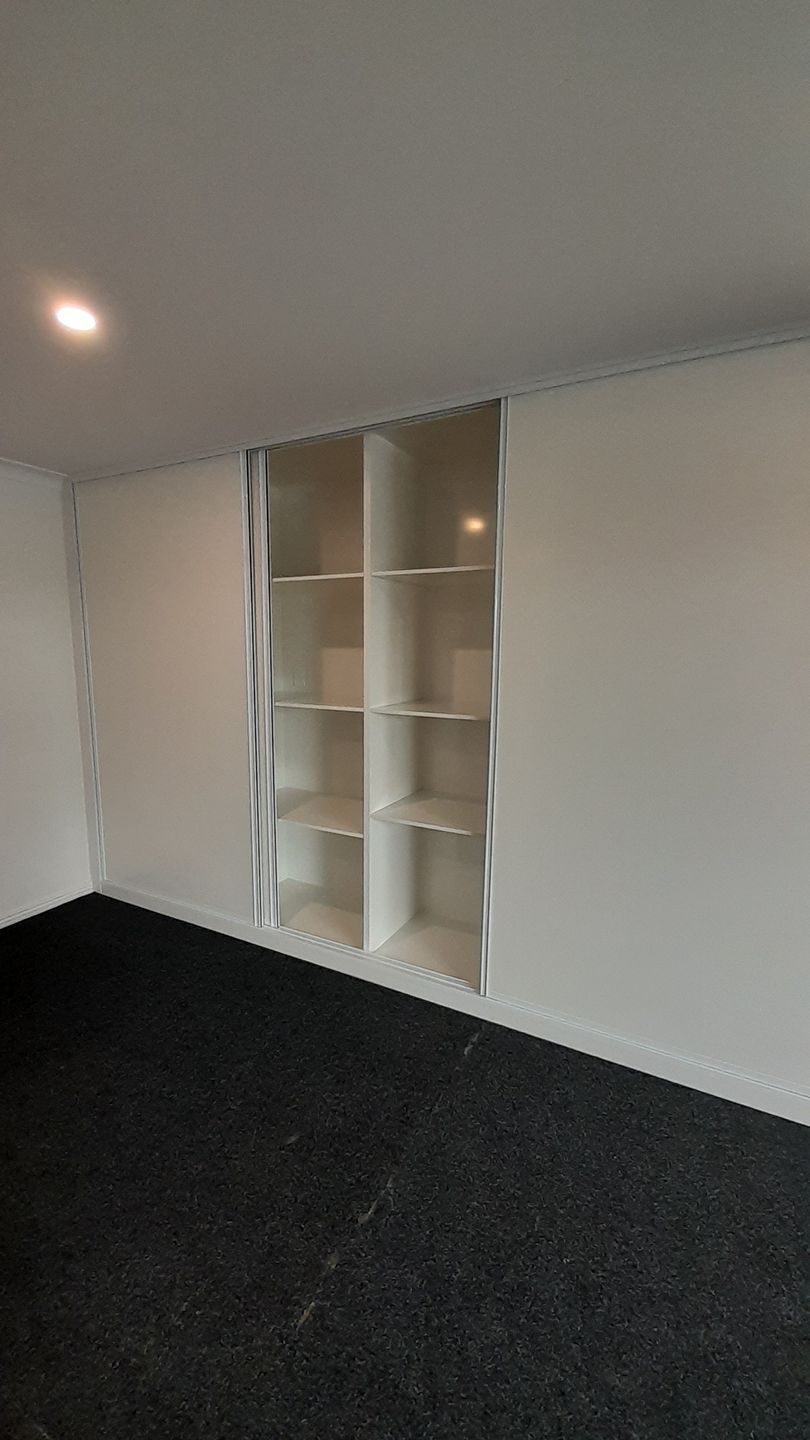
(444, 947)
(318, 644)
(433, 488)
(311, 910)
(429, 772)
(426, 898)
(321, 884)
(316, 508)
(431, 645)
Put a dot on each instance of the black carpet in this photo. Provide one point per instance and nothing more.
(244, 1198)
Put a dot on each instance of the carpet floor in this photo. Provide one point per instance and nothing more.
(244, 1198)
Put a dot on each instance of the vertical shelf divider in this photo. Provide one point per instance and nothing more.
(264, 571)
(367, 678)
(251, 682)
(500, 501)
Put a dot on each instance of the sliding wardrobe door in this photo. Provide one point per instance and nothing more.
(163, 574)
(652, 833)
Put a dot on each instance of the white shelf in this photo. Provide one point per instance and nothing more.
(432, 574)
(332, 575)
(310, 910)
(338, 814)
(432, 708)
(312, 702)
(436, 812)
(441, 946)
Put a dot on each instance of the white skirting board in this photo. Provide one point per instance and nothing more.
(42, 905)
(758, 1092)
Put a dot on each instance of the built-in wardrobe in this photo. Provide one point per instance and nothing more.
(382, 551)
(503, 706)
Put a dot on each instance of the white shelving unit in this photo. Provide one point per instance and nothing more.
(383, 553)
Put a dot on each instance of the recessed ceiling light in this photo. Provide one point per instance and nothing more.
(75, 317)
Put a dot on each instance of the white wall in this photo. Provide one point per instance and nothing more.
(163, 574)
(652, 820)
(43, 827)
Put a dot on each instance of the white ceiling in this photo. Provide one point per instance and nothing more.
(295, 215)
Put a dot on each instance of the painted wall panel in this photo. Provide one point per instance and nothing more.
(43, 827)
(652, 818)
(162, 565)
